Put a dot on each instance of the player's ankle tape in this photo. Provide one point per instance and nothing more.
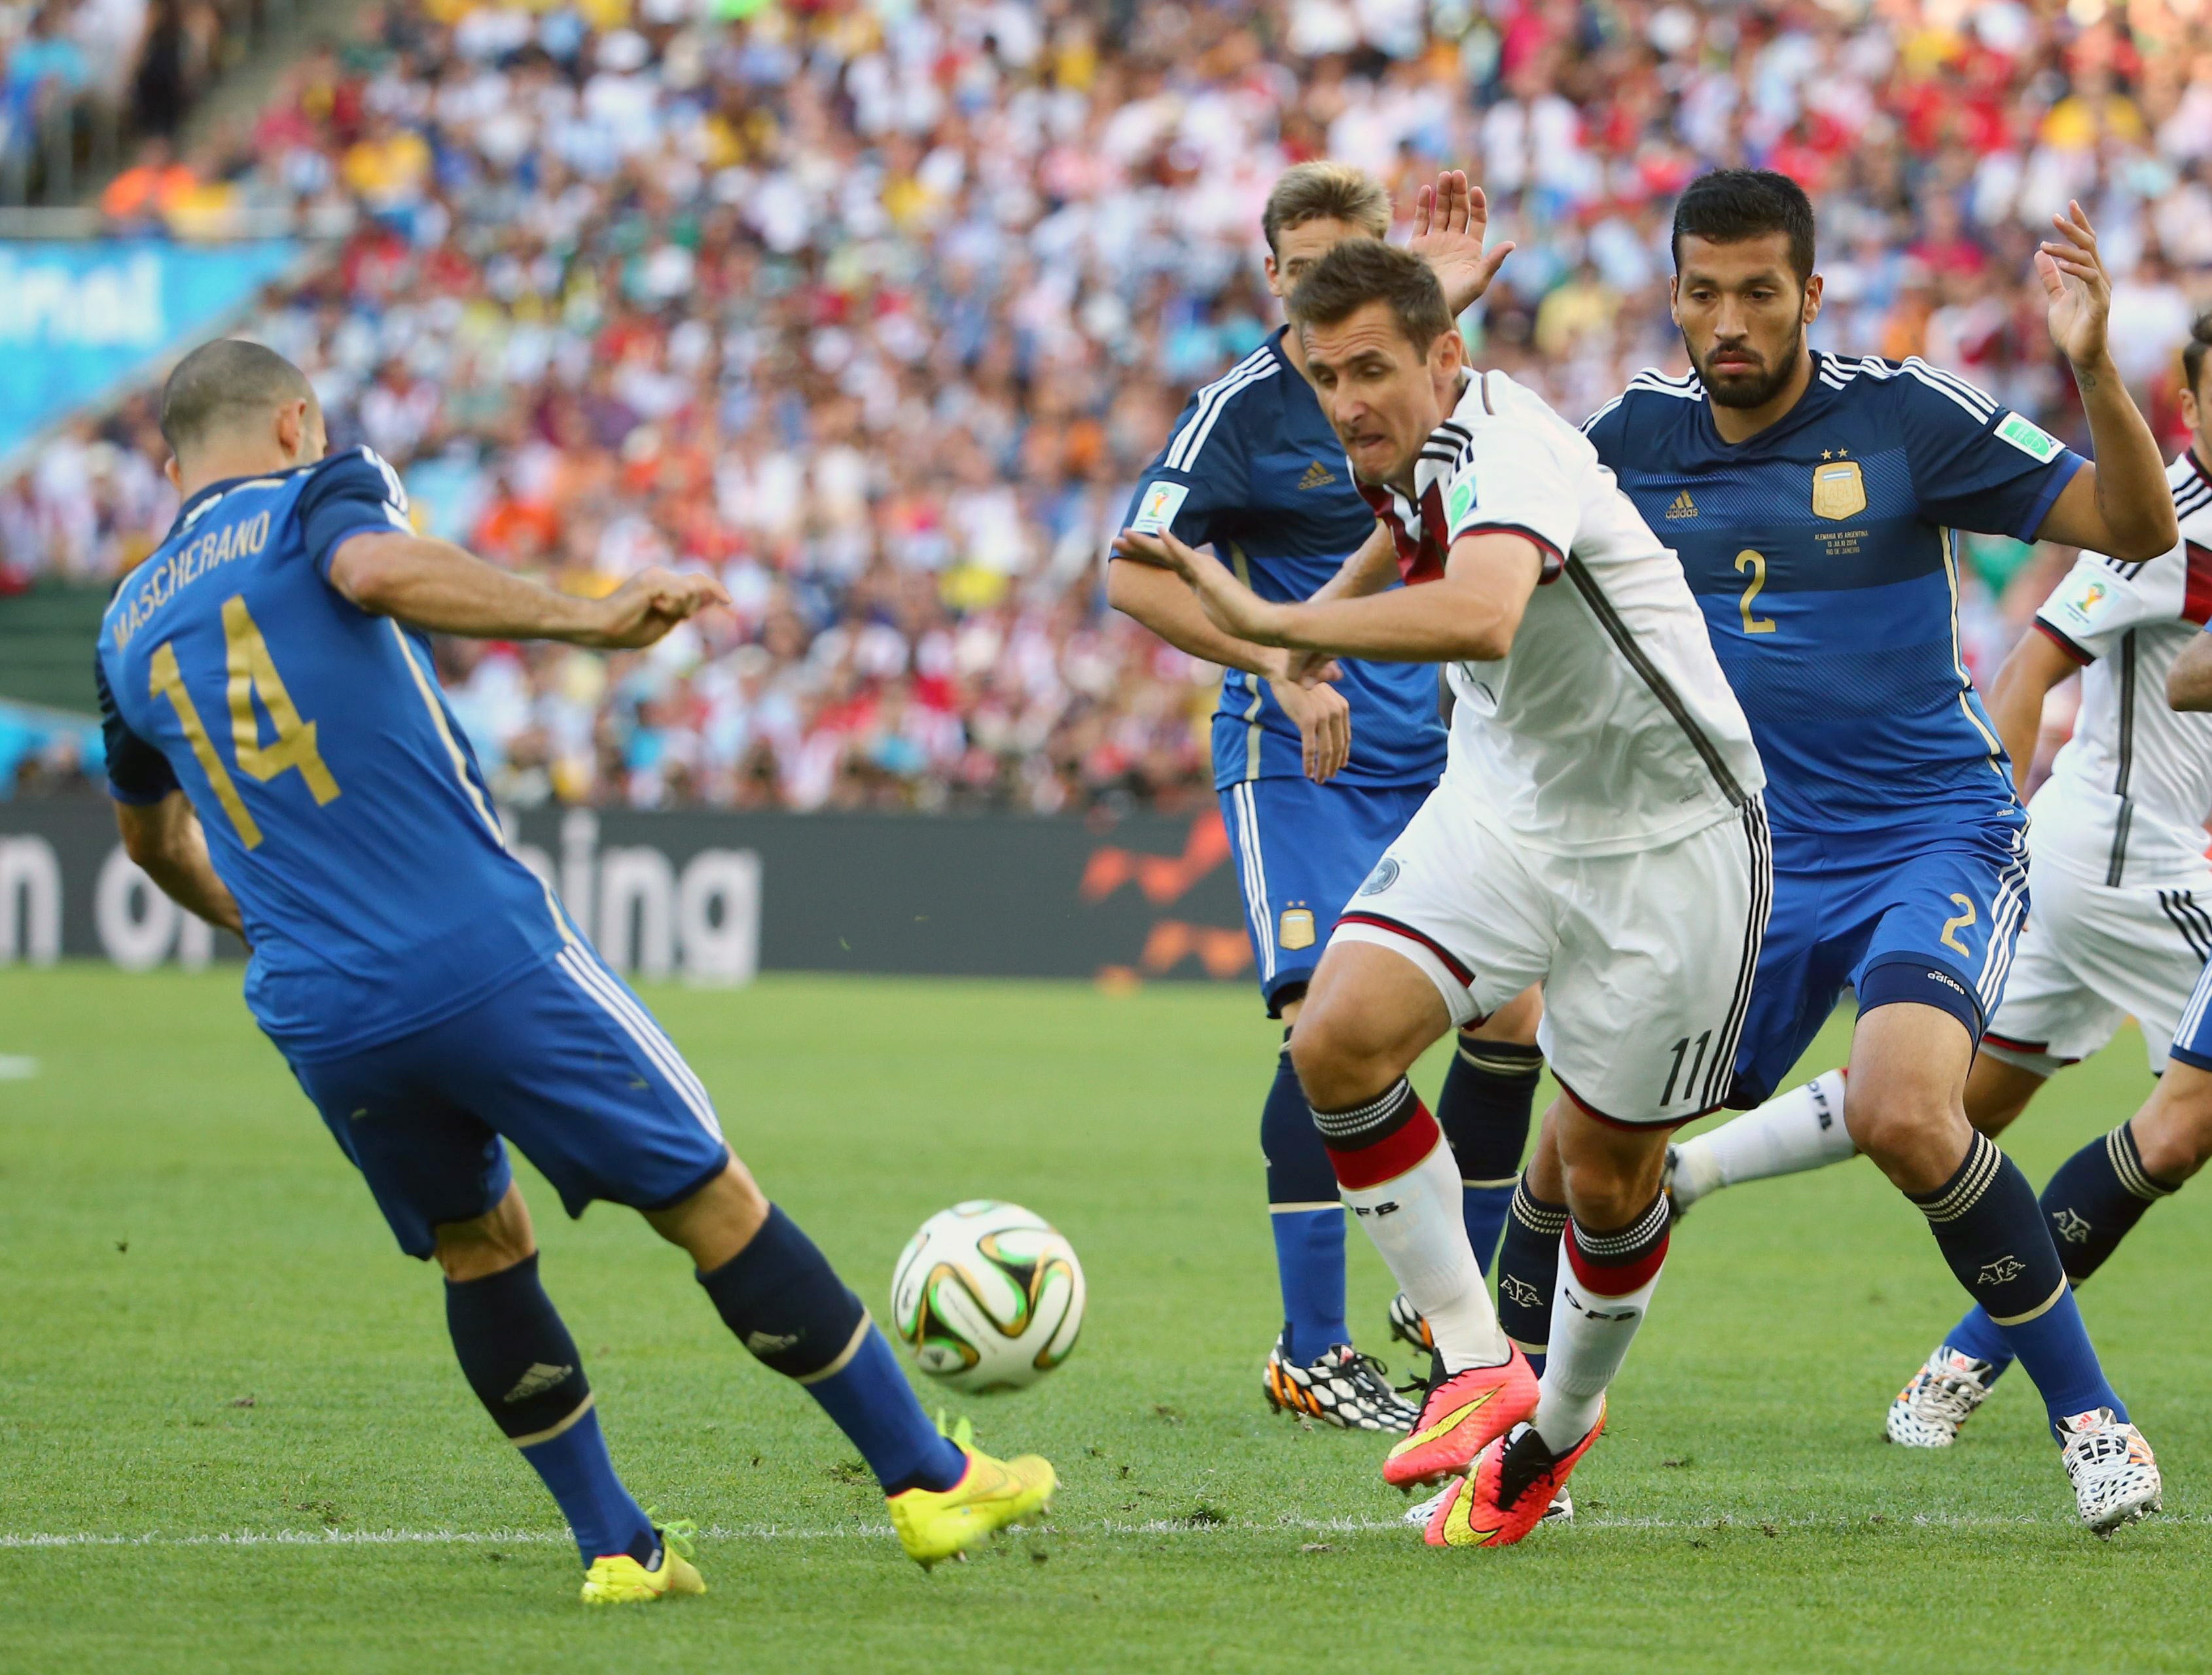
(516, 1353)
(1627, 1260)
(786, 1303)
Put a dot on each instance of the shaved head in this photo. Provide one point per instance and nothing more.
(225, 385)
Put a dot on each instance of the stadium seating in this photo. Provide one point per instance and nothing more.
(881, 318)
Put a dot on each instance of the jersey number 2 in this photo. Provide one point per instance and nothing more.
(252, 674)
(1756, 563)
(1958, 922)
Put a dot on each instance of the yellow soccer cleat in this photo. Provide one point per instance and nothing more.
(617, 1579)
(942, 1524)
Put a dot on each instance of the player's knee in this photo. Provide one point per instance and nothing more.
(488, 1244)
(1341, 1055)
(2173, 1132)
(1915, 1137)
(716, 1222)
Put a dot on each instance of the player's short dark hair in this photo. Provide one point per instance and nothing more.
(220, 383)
(1732, 204)
(1363, 271)
(2192, 352)
(1324, 191)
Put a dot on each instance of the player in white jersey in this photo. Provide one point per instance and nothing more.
(1598, 830)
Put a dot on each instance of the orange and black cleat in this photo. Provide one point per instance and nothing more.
(1462, 1415)
(1512, 1486)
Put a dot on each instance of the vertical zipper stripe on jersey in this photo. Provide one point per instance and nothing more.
(2119, 860)
(1669, 699)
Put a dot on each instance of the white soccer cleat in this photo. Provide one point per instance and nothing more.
(1343, 1389)
(2115, 1478)
(1407, 1326)
(1941, 1397)
(1561, 1511)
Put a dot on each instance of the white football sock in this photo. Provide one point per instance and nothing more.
(1414, 1220)
(1802, 1129)
(1590, 1335)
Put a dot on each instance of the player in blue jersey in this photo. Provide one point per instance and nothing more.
(284, 765)
(1815, 502)
(1316, 780)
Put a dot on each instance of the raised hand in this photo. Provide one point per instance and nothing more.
(2080, 289)
(1450, 220)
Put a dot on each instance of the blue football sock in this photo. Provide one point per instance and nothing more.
(2093, 1202)
(1986, 1222)
(786, 1305)
(1484, 1110)
(1308, 1219)
(1528, 1272)
(575, 1466)
(518, 1358)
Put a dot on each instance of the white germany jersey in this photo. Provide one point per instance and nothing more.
(2130, 792)
(1608, 727)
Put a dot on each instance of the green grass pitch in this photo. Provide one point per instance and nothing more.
(232, 1436)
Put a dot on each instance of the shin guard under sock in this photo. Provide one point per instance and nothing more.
(1529, 1271)
(1307, 1219)
(1484, 1111)
(519, 1359)
(1991, 1231)
(1606, 1283)
(1397, 1176)
(2093, 1202)
(786, 1305)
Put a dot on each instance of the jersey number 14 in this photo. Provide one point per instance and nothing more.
(252, 674)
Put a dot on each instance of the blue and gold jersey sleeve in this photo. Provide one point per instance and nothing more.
(1199, 480)
(1976, 463)
(348, 493)
(138, 774)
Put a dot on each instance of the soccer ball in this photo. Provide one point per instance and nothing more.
(988, 1297)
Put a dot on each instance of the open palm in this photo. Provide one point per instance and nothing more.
(2080, 290)
(1450, 220)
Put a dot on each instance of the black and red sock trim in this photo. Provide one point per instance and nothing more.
(1381, 1140)
(1613, 1264)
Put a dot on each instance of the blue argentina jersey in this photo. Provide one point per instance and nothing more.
(1254, 470)
(341, 802)
(1824, 552)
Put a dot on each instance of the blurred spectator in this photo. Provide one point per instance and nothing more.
(877, 310)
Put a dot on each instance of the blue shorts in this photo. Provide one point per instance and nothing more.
(565, 1062)
(1301, 850)
(2192, 1041)
(1934, 924)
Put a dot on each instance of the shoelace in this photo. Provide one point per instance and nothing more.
(1951, 1396)
(1372, 1374)
(676, 1535)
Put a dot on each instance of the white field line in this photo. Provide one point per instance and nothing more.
(1110, 1527)
(17, 1069)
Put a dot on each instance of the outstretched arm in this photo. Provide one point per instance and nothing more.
(435, 584)
(2015, 698)
(1472, 612)
(2119, 504)
(166, 839)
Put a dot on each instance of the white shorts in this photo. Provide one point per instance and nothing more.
(1646, 959)
(2092, 956)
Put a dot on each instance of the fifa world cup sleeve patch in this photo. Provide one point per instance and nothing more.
(2030, 438)
(2082, 605)
(1156, 512)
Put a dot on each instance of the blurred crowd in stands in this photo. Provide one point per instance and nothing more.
(878, 309)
